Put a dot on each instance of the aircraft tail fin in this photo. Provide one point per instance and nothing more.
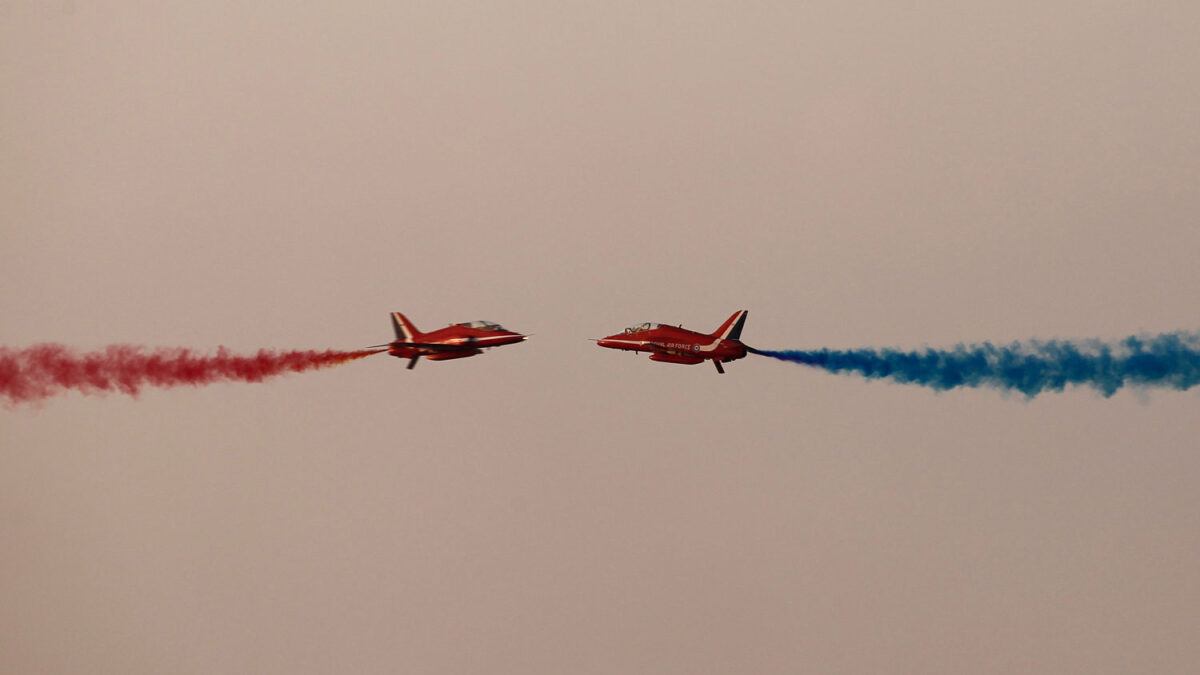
(732, 328)
(405, 330)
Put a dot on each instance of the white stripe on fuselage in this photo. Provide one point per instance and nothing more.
(627, 342)
(698, 348)
(481, 339)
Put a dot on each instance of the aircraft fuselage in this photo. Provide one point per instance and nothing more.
(675, 344)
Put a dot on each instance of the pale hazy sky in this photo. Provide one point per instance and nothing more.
(284, 174)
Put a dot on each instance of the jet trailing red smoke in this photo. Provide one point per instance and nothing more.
(36, 373)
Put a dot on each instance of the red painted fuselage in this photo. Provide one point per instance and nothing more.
(675, 344)
(456, 341)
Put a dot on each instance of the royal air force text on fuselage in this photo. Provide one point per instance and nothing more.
(683, 346)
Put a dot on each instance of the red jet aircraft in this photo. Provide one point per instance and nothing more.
(674, 344)
(455, 341)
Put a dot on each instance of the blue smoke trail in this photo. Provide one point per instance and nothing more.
(1168, 360)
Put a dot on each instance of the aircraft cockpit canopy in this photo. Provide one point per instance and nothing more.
(641, 327)
(483, 325)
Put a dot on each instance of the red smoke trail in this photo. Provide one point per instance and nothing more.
(41, 371)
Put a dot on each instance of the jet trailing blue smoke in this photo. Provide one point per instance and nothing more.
(1169, 360)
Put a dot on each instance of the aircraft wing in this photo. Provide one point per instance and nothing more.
(437, 346)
